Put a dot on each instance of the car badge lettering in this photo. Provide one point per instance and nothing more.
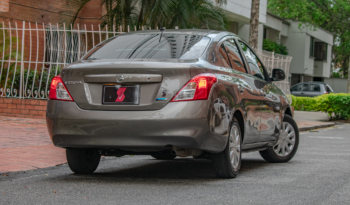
(72, 82)
(120, 94)
(120, 78)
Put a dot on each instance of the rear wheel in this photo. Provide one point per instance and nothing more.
(287, 143)
(228, 163)
(83, 161)
(166, 155)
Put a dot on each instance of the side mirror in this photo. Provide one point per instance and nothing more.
(278, 74)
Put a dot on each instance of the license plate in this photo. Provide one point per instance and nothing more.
(121, 95)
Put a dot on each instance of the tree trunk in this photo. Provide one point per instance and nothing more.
(254, 24)
(110, 14)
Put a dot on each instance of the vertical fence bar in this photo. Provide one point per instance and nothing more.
(37, 57)
(65, 44)
(50, 66)
(22, 63)
(93, 36)
(71, 37)
(9, 62)
(86, 41)
(135, 28)
(113, 30)
(30, 59)
(14, 73)
(78, 42)
(128, 28)
(58, 48)
(39, 93)
(3, 53)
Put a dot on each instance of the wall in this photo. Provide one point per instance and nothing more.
(308, 61)
(239, 10)
(4, 6)
(339, 85)
(296, 48)
(27, 108)
(50, 11)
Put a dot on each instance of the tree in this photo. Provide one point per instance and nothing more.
(254, 24)
(331, 15)
(153, 13)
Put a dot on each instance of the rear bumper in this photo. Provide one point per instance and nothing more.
(180, 124)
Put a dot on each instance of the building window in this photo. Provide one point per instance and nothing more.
(321, 51)
(312, 46)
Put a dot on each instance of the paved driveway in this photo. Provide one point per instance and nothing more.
(319, 174)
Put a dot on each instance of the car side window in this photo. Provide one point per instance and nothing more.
(234, 56)
(296, 88)
(313, 88)
(255, 65)
(223, 58)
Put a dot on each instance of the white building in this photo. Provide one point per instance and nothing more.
(311, 49)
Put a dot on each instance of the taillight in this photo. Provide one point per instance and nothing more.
(198, 88)
(58, 90)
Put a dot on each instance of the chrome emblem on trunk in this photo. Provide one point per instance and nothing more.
(120, 78)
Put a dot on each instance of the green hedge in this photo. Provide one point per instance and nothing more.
(337, 106)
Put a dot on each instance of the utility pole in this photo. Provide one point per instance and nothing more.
(254, 24)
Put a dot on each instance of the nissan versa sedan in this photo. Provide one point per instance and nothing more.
(168, 94)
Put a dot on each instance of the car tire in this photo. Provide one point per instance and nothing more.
(83, 161)
(227, 163)
(287, 144)
(166, 155)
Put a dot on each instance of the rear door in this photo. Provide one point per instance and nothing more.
(312, 90)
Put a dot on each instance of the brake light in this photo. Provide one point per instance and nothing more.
(198, 88)
(58, 90)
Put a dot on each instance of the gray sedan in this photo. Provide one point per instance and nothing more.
(174, 93)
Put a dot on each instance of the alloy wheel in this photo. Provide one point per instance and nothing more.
(286, 141)
(235, 147)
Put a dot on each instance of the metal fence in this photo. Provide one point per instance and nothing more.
(272, 60)
(32, 54)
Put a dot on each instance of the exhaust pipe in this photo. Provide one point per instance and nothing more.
(186, 152)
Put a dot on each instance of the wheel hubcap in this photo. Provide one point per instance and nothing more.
(286, 141)
(235, 147)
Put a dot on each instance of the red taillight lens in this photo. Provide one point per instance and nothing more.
(58, 90)
(198, 88)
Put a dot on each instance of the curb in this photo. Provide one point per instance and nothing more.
(306, 128)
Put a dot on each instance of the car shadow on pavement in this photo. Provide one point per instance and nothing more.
(157, 171)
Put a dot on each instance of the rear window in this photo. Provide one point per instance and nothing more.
(150, 46)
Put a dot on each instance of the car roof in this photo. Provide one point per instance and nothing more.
(202, 32)
(312, 82)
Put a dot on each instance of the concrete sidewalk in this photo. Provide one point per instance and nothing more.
(311, 120)
(25, 143)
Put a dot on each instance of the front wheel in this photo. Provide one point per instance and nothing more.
(228, 163)
(287, 143)
(83, 161)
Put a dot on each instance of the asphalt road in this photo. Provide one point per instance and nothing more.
(318, 174)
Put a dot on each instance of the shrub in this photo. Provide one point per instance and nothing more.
(335, 105)
(269, 45)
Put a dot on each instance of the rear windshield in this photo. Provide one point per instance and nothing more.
(150, 46)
